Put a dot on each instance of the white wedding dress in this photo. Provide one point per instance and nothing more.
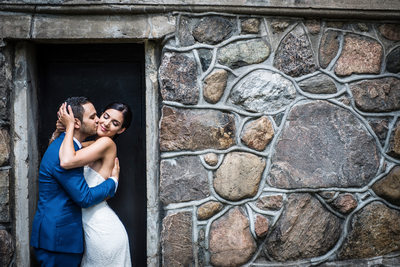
(106, 240)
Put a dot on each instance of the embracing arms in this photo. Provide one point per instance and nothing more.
(69, 158)
(75, 185)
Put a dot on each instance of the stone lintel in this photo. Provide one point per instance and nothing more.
(362, 9)
(43, 26)
(317, 4)
(15, 25)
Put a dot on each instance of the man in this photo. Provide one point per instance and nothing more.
(57, 233)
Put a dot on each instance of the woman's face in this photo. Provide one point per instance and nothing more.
(110, 123)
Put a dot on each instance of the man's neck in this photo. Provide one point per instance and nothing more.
(79, 136)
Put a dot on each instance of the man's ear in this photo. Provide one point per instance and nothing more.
(121, 130)
(77, 124)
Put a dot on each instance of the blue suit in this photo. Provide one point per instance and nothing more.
(57, 225)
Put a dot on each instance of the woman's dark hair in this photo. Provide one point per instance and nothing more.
(126, 112)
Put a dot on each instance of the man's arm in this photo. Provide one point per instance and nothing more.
(74, 183)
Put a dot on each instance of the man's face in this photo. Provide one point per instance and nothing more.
(90, 120)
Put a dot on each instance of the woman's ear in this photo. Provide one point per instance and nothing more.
(121, 130)
(77, 124)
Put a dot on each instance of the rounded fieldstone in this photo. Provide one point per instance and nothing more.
(393, 61)
(345, 99)
(328, 195)
(279, 25)
(205, 58)
(295, 56)
(394, 141)
(390, 31)
(263, 91)
(178, 78)
(231, 243)
(201, 248)
(278, 118)
(6, 248)
(211, 159)
(362, 27)
(186, 129)
(239, 176)
(377, 95)
(184, 34)
(4, 197)
(360, 55)
(388, 187)
(209, 209)
(258, 133)
(323, 145)
(4, 147)
(176, 240)
(214, 85)
(313, 26)
(304, 230)
(183, 179)
(335, 24)
(251, 25)
(261, 226)
(212, 30)
(380, 126)
(374, 231)
(329, 47)
(273, 202)
(242, 53)
(345, 203)
(319, 84)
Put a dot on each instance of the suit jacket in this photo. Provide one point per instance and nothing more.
(57, 225)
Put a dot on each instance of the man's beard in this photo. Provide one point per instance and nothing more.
(87, 131)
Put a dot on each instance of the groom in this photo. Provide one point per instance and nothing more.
(57, 233)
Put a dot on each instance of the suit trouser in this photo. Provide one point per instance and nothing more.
(48, 258)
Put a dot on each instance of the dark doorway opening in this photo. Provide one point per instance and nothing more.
(104, 73)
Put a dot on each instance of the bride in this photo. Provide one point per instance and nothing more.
(106, 240)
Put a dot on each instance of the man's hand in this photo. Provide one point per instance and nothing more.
(115, 170)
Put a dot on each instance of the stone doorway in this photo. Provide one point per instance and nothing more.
(105, 73)
(34, 94)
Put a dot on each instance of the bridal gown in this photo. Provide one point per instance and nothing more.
(106, 240)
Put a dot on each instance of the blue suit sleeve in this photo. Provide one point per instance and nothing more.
(74, 183)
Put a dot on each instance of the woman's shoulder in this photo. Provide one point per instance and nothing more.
(105, 141)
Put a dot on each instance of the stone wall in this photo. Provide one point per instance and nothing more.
(280, 142)
(279, 137)
(6, 239)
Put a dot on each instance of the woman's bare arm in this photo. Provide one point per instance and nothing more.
(86, 155)
(69, 158)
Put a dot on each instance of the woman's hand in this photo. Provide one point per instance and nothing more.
(60, 128)
(66, 118)
(115, 170)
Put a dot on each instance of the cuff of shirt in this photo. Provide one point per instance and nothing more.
(116, 183)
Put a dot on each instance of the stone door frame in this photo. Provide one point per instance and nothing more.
(25, 149)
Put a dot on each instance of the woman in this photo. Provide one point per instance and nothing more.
(106, 240)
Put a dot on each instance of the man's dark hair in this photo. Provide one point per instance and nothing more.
(76, 104)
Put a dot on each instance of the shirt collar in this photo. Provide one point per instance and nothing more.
(78, 143)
